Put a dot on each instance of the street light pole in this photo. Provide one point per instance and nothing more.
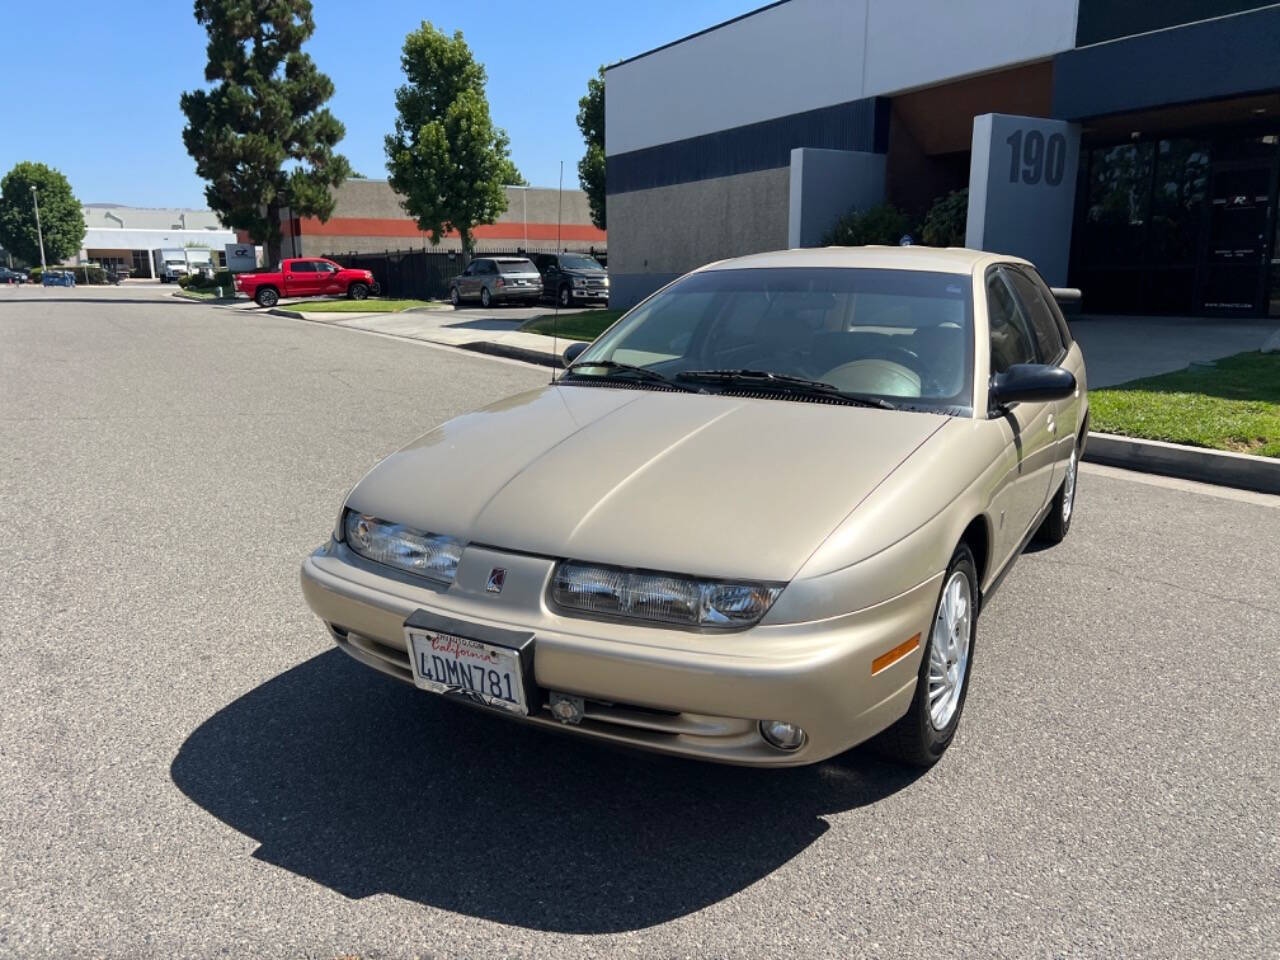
(39, 233)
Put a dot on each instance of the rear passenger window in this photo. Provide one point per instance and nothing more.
(1011, 340)
(1044, 325)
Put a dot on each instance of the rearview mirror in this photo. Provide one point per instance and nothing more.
(574, 350)
(1031, 383)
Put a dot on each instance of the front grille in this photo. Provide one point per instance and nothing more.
(601, 713)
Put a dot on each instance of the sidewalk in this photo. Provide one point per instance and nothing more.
(495, 331)
(1118, 349)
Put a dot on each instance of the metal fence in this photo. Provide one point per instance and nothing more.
(424, 274)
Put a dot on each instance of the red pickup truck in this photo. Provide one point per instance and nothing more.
(305, 277)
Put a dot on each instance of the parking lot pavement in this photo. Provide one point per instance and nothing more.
(188, 768)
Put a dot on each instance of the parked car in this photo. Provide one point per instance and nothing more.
(756, 521)
(572, 278)
(305, 277)
(12, 276)
(497, 280)
(58, 278)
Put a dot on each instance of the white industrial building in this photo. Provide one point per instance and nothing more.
(127, 236)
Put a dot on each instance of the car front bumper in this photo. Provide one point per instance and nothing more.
(694, 694)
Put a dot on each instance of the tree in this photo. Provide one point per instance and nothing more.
(947, 220)
(591, 167)
(260, 135)
(446, 158)
(61, 219)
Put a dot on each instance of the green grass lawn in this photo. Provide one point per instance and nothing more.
(1233, 406)
(586, 325)
(372, 305)
(198, 294)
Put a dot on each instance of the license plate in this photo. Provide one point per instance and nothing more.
(481, 672)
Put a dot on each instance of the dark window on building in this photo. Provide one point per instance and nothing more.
(1116, 212)
(141, 262)
(1010, 338)
(1177, 202)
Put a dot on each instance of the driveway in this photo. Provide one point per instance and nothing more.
(188, 768)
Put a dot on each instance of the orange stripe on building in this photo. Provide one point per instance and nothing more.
(505, 230)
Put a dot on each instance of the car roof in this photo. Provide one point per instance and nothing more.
(933, 259)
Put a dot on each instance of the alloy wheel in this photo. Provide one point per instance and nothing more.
(949, 644)
(1069, 489)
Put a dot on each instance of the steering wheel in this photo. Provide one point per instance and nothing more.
(901, 355)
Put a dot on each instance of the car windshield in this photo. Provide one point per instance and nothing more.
(516, 266)
(579, 262)
(902, 335)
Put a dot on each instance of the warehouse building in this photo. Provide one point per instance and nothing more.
(1129, 148)
(367, 218)
(117, 236)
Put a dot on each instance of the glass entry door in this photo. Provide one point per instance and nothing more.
(1236, 258)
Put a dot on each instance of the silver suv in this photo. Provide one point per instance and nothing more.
(497, 280)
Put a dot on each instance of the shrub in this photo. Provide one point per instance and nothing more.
(884, 224)
(199, 281)
(944, 224)
(35, 273)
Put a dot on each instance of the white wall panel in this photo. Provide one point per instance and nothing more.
(915, 43)
(806, 54)
(794, 57)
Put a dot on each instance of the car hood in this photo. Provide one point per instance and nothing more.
(591, 274)
(690, 483)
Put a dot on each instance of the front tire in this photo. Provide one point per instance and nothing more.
(1057, 524)
(921, 737)
(564, 297)
(358, 291)
(266, 297)
(454, 298)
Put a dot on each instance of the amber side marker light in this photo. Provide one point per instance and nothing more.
(886, 660)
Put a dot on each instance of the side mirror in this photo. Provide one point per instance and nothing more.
(574, 350)
(1032, 383)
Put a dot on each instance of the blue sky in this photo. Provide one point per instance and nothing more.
(116, 72)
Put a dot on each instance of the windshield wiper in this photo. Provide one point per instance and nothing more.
(643, 373)
(783, 383)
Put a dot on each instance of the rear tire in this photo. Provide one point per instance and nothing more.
(266, 297)
(923, 734)
(486, 299)
(358, 291)
(1055, 527)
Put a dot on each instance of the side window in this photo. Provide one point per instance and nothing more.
(485, 267)
(470, 271)
(1010, 336)
(303, 266)
(1044, 326)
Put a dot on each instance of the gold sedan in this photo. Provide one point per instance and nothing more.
(754, 522)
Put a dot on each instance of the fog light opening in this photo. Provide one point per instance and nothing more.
(782, 735)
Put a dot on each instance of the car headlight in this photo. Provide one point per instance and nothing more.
(579, 281)
(597, 590)
(396, 545)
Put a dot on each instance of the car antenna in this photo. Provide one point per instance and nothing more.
(555, 316)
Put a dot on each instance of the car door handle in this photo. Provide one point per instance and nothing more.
(1053, 425)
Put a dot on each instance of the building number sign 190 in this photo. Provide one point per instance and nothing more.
(1035, 158)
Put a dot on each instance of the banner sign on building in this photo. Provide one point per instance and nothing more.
(241, 256)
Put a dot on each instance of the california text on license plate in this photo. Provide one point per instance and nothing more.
(444, 663)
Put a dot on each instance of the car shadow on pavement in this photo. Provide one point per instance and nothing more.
(366, 785)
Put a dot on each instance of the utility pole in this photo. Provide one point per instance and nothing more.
(560, 208)
(39, 233)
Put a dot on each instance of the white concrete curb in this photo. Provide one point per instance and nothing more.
(1187, 463)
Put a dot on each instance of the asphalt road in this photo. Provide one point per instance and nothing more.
(188, 768)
